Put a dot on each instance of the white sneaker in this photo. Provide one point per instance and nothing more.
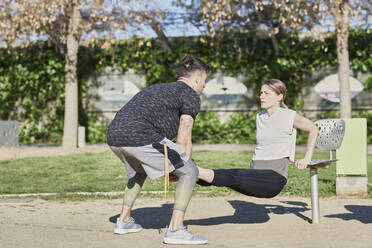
(126, 227)
(183, 236)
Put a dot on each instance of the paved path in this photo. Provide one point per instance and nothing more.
(231, 221)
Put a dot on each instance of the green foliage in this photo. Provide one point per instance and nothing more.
(32, 79)
(368, 83)
(330, 115)
(206, 128)
(32, 92)
(240, 129)
(301, 137)
(96, 133)
(368, 115)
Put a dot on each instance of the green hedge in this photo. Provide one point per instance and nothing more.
(32, 79)
(239, 129)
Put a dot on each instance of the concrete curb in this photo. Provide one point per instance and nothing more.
(143, 193)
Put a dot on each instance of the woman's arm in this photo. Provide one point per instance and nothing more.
(185, 133)
(306, 125)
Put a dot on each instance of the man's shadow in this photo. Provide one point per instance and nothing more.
(151, 217)
(357, 212)
(245, 213)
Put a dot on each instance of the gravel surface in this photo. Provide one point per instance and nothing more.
(231, 221)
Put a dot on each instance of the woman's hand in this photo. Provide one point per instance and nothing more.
(302, 163)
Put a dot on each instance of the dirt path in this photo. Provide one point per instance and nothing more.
(45, 151)
(51, 150)
(234, 221)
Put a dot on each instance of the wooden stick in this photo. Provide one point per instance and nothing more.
(166, 172)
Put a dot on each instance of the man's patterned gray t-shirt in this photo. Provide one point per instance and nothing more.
(152, 114)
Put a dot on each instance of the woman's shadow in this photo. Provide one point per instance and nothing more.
(357, 212)
(245, 213)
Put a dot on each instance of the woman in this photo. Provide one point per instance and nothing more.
(276, 140)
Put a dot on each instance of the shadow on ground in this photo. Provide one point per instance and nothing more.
(357, 212)
(245, 213)
(251, 213)
(151, 217)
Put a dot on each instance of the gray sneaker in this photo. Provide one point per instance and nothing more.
(126, 227)
(183, 236)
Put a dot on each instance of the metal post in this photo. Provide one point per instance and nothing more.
(9, 133)
(81, 137)
(314, 194)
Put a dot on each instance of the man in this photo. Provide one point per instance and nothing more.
(137, 136)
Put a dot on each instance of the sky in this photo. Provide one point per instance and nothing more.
(188, 29)
(179, 29)
(170, 31)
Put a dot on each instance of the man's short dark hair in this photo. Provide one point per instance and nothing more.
(190, 64)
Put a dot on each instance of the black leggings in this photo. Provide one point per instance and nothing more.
(250, 182)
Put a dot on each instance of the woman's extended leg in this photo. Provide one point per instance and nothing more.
(206, 175)
(251, 182)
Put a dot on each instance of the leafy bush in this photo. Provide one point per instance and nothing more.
(207, 128)
(368, 115)
(96, 133)
(32, 80)
(240, 129)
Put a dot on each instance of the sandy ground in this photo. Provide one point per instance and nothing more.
(43, 151)
(233, 221)
(230, 221)
(52, 150)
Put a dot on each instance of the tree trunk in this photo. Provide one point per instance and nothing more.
(274, 41)
(71, 91)
(158, 29)
(342, 33)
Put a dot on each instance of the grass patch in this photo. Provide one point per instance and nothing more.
(104, 172)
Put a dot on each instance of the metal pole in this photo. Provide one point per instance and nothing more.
(81, 137)
(314, 194)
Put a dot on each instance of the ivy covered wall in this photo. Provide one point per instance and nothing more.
(32, 79)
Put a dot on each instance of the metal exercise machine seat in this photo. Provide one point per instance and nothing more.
(330, 135)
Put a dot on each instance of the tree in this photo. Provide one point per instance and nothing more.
(296, 15)
(65, 22)
(263, 20)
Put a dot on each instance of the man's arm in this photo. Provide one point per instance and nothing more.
(185, 133)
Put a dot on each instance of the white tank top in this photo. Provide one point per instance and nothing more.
(275, 135)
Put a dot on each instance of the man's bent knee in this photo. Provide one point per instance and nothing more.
(138, 178)
(189, 169)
